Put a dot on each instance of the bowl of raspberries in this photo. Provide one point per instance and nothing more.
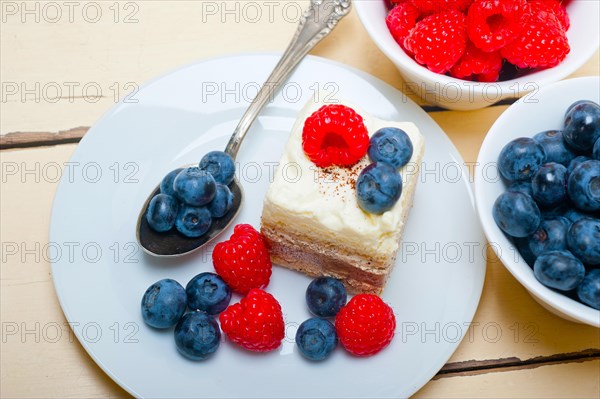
(469, 54)
(537, 190)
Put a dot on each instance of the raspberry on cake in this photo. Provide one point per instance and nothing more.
(344, 142)
(312, 222)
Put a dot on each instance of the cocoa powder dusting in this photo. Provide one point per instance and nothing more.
(336, 180)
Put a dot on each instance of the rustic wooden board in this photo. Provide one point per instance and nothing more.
(514, 348)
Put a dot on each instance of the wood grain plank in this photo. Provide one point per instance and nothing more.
(473, 367)
(40, 139)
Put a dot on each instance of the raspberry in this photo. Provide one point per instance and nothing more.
(401, 20)
(552, 6)
(495, 23)
(335, 135)
(255, 323)
(488, 77)
(428, 7)
(243, 260)
(542, 43)
(439, 40)
(365, 325)
(485, 66)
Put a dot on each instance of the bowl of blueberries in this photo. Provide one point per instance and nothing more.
(537, 190)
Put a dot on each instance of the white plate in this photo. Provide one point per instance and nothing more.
(543, 110)
(434, 289)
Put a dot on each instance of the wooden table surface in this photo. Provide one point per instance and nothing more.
(109, 48)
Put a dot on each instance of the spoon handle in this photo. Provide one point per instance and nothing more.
(316, 23)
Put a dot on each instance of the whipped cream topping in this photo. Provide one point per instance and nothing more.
(324, 199)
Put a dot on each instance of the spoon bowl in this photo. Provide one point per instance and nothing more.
(173, 243)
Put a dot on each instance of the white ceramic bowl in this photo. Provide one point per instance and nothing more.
(525, 118)
(459, 94)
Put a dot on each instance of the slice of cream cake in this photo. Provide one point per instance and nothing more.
(312, 220)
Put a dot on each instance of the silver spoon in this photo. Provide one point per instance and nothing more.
(317, 22)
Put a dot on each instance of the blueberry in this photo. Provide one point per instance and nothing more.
(589, 289)
(516, 214)
(559, 270)
(556, 211)
(163, 304)
(584, 186)
(316, 338)
(550, 236)
(574, 215)
(197, 335)
(555, 147)
(521, 187)
(577, 103)
(222, 202)
(325, 296)
(596, 150)
(391, 145)
(576, 162)
(193, 221)
(378, 188)
(522, 244)
(162, 212)
(208, 292)
(520, 159)
(166, 185)
(220, 165)
(584, 240)
(582, 126)
(194, 186)
(549, 184)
